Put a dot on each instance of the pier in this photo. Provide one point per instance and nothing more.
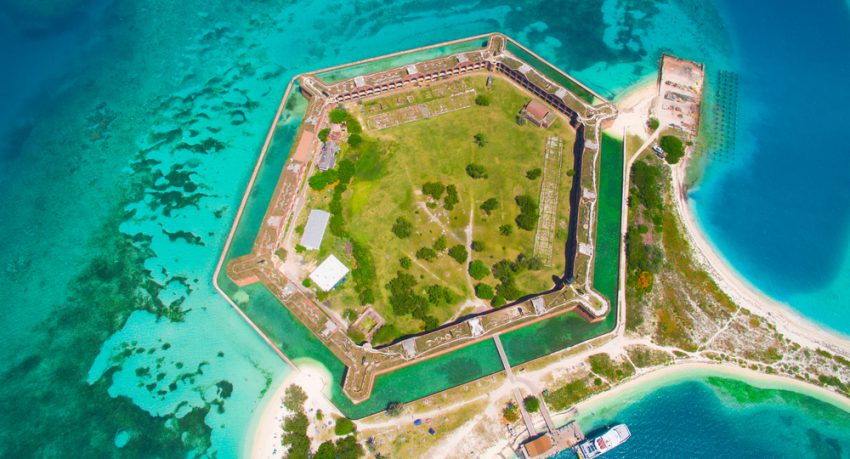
(554, 439)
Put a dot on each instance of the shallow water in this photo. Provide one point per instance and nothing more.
(129, 136)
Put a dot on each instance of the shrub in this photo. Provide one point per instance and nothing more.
(489, 205)
(451, 197)
(426, 253)
(386, 334)
(323, 134)
(477, 246)
(534, 174)
(532, 404)
(402, 228)
(653, 123)
(459, 253)
(476, 171)
(520, 120)
(511, 413)
(344, 426)
(405, 262)
(300, 248)
(506, 230)
(306, 282)
(478, 270)
(356, 335)
(571, 172)
(482, 100)
(353, 126)
(480, 139)
(320, 180)
(484, 291)
(433, 189)
(394, 409)
(498, 301)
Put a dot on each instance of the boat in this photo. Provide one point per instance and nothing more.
(595, 447)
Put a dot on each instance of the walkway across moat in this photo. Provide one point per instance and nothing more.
(434, 369)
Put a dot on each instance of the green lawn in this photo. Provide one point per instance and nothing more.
(388, 186)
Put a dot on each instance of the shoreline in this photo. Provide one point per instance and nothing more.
(262, 440)
(596, 406)
(787, 320)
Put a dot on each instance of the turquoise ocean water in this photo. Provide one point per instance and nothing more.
(129, 131)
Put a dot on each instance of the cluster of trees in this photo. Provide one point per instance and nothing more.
(673, 148)
(339, 116)
(320, 180)
(476, 171)
(407, 298)
(646, 200)
(506, 271)
(297, 442)
(484, 291)
(528, 212)
(435, 190)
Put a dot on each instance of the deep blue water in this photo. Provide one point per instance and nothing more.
(129, 130)
(709, 418)
(780, 212)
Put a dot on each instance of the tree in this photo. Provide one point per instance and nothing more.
(353, 126)
(477, 246)
(323, 134)
(440, 243)
(386, 334)
(498, 301)
(482, 100)
(532, 404)
(338, 115)
(571, 172)
(480, 139)
(326, 450)
(355, 140)
(439, 295)
(484, 291)
(520, 120)
(405, 262)
(478, 270)
(344, 426)
(348, 448)
(673, 148)
(451, 197)
(433, 189)
(320, 180)
(506, 230)
(294, 398)
(533, 174)
(402, 228)
(476, 171)
(394, 409)
(459, 253)
(489, 205)
(426, 253)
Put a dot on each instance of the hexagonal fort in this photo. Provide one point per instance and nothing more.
(429, 203)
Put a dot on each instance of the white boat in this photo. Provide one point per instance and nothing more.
(600, 445)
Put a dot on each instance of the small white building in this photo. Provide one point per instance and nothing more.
(329, 273)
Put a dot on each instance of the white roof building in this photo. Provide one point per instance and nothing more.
(329, 273)
(314, 230)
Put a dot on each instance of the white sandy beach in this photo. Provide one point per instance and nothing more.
(664, 376)
(315, 379)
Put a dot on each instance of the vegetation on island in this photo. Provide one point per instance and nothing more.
(406, 197)
(297, 442)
